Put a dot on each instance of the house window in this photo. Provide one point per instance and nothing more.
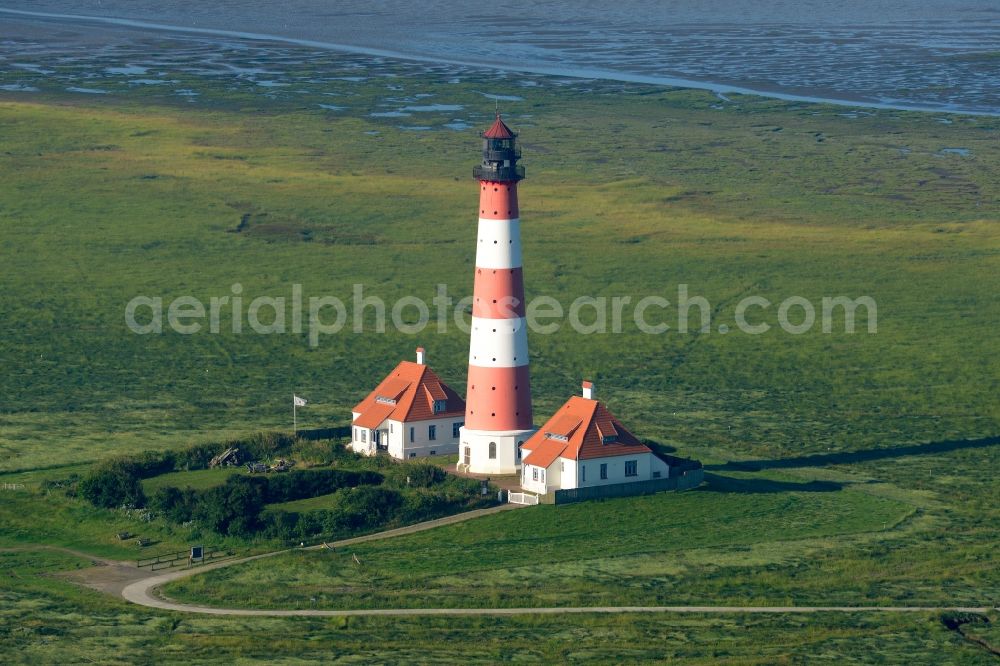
(583, 473)
(412, 433)
(390, 426)
(355, 434)
(440, 406)
(604, 470)
(519, 445)
(631, 468)
(433, 452)
(456, 427)
(412, 454)
(534, 474)
(432, 432)
(543, 476)
(493, 450)
(656, 475)
(364, 435)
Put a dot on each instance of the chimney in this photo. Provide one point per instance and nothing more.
(420, 356)
(588, 390)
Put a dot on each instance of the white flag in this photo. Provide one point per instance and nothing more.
(297, 401)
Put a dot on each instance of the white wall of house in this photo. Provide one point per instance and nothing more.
(445, 441)
(564, 474)
(397, 435)
(537, 480)
(647, 466)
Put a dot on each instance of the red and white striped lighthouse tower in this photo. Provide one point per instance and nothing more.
(498, 399)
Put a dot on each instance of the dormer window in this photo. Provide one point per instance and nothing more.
(609, 439)
(440, 406)
(557, 437)
(384, 400)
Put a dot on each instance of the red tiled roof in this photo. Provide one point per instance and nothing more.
(545, 454)
(372, 417)
(499, 130)
(564, 424)
(392, 388)
(585, 424)
(408, 394)
(435, 392)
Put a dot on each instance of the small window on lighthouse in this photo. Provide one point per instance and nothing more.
(493, 450)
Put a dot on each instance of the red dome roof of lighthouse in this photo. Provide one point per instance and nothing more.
(498, 130)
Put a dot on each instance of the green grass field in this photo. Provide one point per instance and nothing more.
(196, 479)
(45, 619)
(621, 552)
(631, 191)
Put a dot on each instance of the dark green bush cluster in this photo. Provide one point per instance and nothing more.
(114, 483)
(375, 492)
(235, 507)
(304, 484)
(118, 481)
(415, 475)
(259, 446)
(368, 507)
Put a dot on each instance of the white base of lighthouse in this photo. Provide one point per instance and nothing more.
(476, 446)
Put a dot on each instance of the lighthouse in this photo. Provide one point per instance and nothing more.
(498, 416)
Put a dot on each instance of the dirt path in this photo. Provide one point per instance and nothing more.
(143, 592)
(104, 574)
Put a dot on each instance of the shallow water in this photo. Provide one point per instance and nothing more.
(935, 54)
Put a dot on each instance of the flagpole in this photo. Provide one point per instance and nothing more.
(295, 425)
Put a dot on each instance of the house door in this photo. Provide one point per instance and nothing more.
(468, 456)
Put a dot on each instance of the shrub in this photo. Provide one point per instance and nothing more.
(232, 508)
(197, 456)
(366, 506)
(282, 525)
(419, 506)
(420, 475)
(177, 505)
(303, 484)
(113, 483)
(264, 445)
(153, 463)
(321, 452)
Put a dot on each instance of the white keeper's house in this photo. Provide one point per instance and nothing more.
(412, 413)
(584, 445)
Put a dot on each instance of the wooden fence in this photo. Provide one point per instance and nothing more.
(181, 558)
(522, 498)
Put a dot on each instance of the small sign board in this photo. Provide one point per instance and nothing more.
(197, 553)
